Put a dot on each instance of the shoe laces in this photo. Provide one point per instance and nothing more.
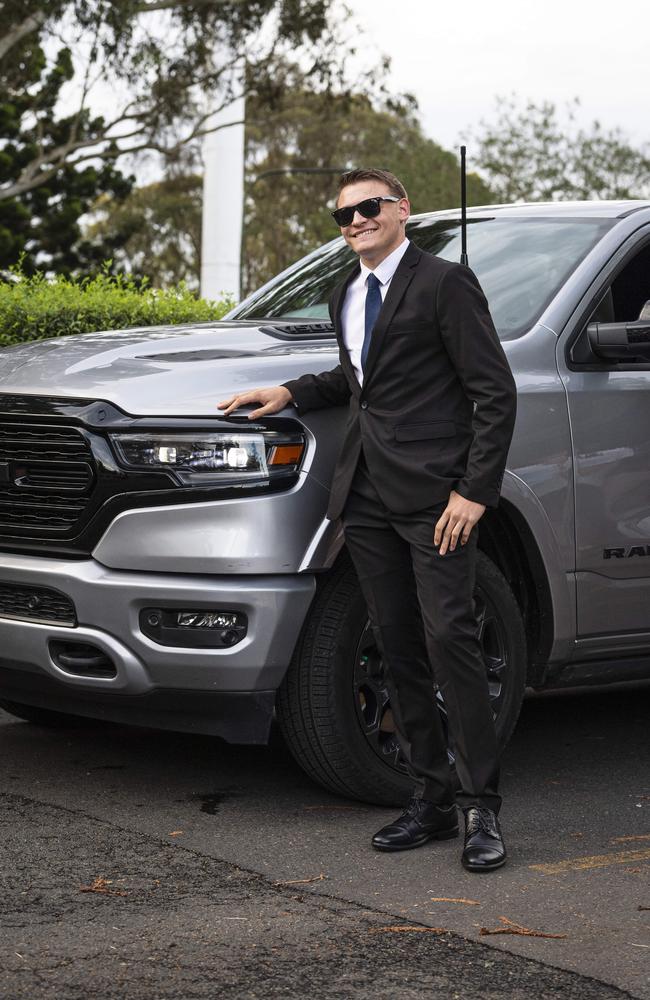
(482, 819)
(414, 806)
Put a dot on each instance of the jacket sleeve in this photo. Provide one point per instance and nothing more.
(313, 392)
(475, 351)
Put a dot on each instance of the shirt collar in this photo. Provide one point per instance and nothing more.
(385, 271)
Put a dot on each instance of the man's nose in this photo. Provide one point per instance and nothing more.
(358, 219)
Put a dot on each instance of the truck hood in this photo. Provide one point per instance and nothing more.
(182, 371)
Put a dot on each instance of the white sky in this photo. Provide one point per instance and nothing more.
(457, 55)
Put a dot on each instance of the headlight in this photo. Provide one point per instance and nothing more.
(203, 458)
(196, 458)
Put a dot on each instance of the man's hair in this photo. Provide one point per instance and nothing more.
(394, 185)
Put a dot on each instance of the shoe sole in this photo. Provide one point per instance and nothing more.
(440, 835)
(477, 869)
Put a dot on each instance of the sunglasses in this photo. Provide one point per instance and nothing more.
(369, 209)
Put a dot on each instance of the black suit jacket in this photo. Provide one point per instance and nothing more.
(437, 406)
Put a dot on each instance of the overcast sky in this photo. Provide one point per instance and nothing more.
(456, 55)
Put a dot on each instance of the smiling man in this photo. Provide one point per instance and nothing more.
(431, 412)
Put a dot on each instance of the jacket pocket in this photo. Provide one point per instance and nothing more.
(422, 432)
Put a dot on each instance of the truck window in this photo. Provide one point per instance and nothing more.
(521, 263)
(631, 288)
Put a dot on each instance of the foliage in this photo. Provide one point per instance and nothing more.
(43, 222)
(163, 66)
(529, 154)
(157, 230)
(287, 214)
(33, 307)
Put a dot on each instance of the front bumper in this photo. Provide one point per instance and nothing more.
(108, 605)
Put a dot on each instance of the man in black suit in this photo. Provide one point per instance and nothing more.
(431, 412)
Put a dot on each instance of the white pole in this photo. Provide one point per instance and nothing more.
(223, 203)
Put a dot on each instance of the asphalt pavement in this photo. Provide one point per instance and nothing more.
(143, 864)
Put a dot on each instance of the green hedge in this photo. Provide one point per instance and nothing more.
(35, 307)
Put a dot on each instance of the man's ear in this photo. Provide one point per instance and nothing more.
(404, 209)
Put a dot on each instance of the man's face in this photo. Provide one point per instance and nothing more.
(373, 239)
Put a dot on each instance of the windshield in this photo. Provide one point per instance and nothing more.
(521, 263)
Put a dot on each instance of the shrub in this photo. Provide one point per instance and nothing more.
(35, 307)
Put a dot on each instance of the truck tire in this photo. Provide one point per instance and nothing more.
(333, 707)
(40, 716)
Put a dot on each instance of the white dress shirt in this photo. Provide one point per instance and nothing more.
(353, 315)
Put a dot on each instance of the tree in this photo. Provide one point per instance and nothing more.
(44, 221)
(529, 154)
(287, 213)
(156, 231)
(168, 66)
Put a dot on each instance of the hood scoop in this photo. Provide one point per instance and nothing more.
(289, 331)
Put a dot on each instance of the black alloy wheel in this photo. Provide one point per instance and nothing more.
(334, 706)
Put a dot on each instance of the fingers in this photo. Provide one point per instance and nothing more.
(263, 410)
(456, 528)
(228, 405)
(240, 399)
(456, 523)
(440, 527)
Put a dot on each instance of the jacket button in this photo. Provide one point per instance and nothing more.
(364, 405)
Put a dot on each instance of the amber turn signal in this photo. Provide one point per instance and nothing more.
(285, 454)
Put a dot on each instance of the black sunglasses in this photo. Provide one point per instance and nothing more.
(369, 209)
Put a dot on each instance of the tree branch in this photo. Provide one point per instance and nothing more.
(31, 23)
(145, 7)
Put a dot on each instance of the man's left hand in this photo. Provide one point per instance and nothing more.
(456, 522)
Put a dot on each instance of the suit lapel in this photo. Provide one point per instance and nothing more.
(396, 291)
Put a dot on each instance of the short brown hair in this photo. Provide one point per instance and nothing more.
(394, 185)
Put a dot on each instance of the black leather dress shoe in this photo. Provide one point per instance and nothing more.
(484, 848)
(422, 821)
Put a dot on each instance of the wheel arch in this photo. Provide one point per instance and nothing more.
(507, 539)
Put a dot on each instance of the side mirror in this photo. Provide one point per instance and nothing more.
(621, 341)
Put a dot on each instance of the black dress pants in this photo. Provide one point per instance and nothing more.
(422, 612)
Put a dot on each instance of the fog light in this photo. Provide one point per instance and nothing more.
(199, 628)
(206, 619)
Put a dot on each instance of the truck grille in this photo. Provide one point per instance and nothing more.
(36, 604)
(46, 478)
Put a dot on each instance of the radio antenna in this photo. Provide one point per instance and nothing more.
(463, 208)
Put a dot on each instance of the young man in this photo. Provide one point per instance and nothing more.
(431, 412)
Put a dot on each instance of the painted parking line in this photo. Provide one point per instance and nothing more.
(594, 861)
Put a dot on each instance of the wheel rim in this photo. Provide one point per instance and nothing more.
(372, 700)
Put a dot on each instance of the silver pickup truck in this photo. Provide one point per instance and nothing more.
(164, 566)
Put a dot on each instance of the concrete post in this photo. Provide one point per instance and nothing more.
(223, 204)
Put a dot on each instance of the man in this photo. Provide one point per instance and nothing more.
(431, 412)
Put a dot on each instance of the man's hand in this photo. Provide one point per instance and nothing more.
(456, 521)
(273, 398)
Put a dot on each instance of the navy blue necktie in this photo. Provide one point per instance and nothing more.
(373, 305)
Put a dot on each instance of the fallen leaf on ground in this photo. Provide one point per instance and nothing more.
(302, 881)
(451, 899)
(175, 833)
(101, 885)
(401, 928)
(623, 840)
(512, 928)
(333, 808)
